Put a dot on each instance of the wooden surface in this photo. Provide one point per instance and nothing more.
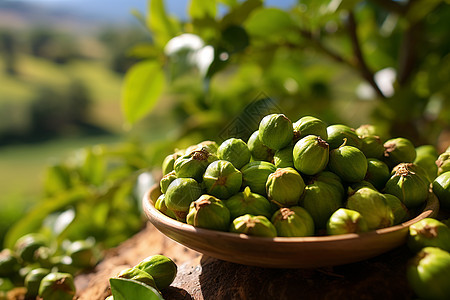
(308, 252)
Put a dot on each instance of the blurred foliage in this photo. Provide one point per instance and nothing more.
(216, 74)
(382, 62)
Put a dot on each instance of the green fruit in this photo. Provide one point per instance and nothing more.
(337, 133)
(429, 233)
(180, 193)
(310, 155)
(284, 158)
(293, 222)
(408, 185)
(222, 179)
(161, 268)
(427, 150)
(349, 163)
(331, 179)
(193, 164)
(399, 210)
(33, 280)
(5, 286)
(309, 125)
(399, 150)
(28, 244)
(255, 174)
(377, 173)
(234, 151)
(8, 263)
(160, 205)
(209, 146)
(253, 225)
(209, 212)
(443, 163)
(83, 253)
(369, 129)
(166, 181)
(57, 286)
(247, 202)
(344, 221)
(373, 207)
(321, 200)
(169, 160)
(138, 275)
(441, 188)
(371, 146)
(276, 131)
(428, 274)
(259, 151)
(426, 158)
(284, 187)
(359, 185)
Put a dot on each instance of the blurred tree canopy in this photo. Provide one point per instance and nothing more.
(381, 61)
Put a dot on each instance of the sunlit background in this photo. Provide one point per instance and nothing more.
(64, 105)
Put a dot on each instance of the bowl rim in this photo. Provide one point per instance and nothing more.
(431, 209)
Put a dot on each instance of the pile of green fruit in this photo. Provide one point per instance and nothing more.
(44, 270)
(302, 179)
(145, 280)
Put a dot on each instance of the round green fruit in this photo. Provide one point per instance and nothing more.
(373, 207)
(57, 286)
(180, 193)
(311, 155)
(235, 151)
(399, 150)
(441, 188)
(408, 185)
(138, 275)
(428, 274)
(344, 221)
(161, 268)
(284, 158)
(276, 131)
(284, 187)
(247, 202)
(254, 226)
(255, 174)
(429, 233)
(338, 133)
(293, 222)
(222, 179)
(377, 173)
(259, 151)
(193, 164)
(349, 163)
(209, 212)
(309, 125)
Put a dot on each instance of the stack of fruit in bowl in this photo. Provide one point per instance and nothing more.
(301, 179)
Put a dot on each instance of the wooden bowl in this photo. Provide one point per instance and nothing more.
(284, 252)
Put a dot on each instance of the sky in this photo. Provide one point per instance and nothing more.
(121, 8)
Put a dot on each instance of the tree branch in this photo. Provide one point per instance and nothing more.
(361, 65)
(408, 53)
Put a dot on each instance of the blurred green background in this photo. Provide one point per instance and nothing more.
(88, 103)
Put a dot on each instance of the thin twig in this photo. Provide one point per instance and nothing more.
(366, 73)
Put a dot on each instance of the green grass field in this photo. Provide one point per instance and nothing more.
(22, 166)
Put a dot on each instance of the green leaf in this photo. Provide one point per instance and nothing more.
(420, 9)
(32, 221)
(126, 289)
(201, 9)
(267, 22)
(143, 85)
(162, 26)
(240, 13)
(235, 38)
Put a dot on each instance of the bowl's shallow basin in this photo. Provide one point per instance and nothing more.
(283, 252)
